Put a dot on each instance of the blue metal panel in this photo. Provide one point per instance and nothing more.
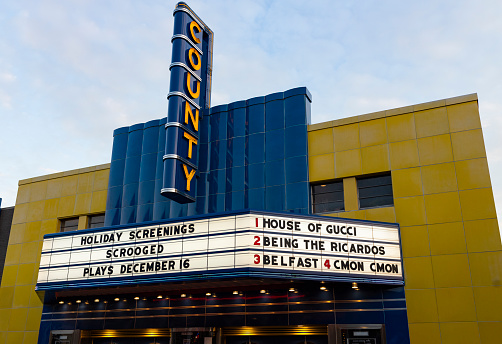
(232, 148)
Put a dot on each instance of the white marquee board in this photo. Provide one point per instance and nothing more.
(274, 243)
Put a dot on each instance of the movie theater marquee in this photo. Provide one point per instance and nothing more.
(262, 243)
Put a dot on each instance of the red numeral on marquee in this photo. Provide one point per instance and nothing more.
(326, 263)
(257, 259)
(257, 240)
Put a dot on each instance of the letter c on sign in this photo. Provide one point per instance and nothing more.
(193, 25)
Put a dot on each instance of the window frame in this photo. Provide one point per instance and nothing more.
(382, 186)
(326, 183)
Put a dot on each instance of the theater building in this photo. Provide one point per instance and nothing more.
(245, 223)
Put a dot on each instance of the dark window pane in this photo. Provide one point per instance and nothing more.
(385, 190)
(69, 224)
(328, 207)
(96, 221)
(328, 187)
(328, 197)
(375, 191)
(376, 201)
(374, 181)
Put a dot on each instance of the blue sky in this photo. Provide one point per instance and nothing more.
(73, 71)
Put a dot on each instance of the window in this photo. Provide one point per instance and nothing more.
(96, 221)
(375, 191)
(69, 224)
(328, 197)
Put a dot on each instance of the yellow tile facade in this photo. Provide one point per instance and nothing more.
(39, 206)
(444, 204)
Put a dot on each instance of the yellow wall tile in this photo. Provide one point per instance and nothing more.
(32, 231)
(31, 337)
(443, 207)
(83, 221)
(51, 208)
(421, 333)
(410, 211)
(98, 201)
(321, 141)
(418, 273)
(439, 178)
(477, 204)
(38, 191)
(3, 337)
(14, 337)
(9, 276)
(66, 206)
(447, 238)
(13, 254)
(54, 187)
(431, 122)
(23, 194)
(49, 226)
(26, 274)
(6, 296)
(490, 332)
(83, 203)
(472, 174)
(435, 149)
(18, 319)
(35, 211)
(415, 241)
(460, 333)
(488, 303)
(451, 270)
(464, 116)
(407, 182)
(486, 268)
(4, 319)
(351, 201)
(17, 233)
(321, 167)
(421, 306)
(20, 213)
(385, 214)
(358, 214)
(468, 145)
(482, 235)
(22, 296)
(455, 304)
(348, 163)
(69, 185)
(35, 300)
(101, 179)
(30, 252)
(85, 182)
(401, 127)
(346, 137)
(373, 132)
(375, 159)
(33, 320)
(404, 154)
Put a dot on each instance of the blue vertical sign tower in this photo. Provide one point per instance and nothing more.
(189, 95)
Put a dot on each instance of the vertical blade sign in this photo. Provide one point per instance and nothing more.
(189, 94)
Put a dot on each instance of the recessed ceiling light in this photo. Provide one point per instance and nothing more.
(183, 295)
(116, 299)
(208, 294)
(235, 292)
(159, 297)
(78, 301)
(96, 300)
(136, 298)
(61, 302)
